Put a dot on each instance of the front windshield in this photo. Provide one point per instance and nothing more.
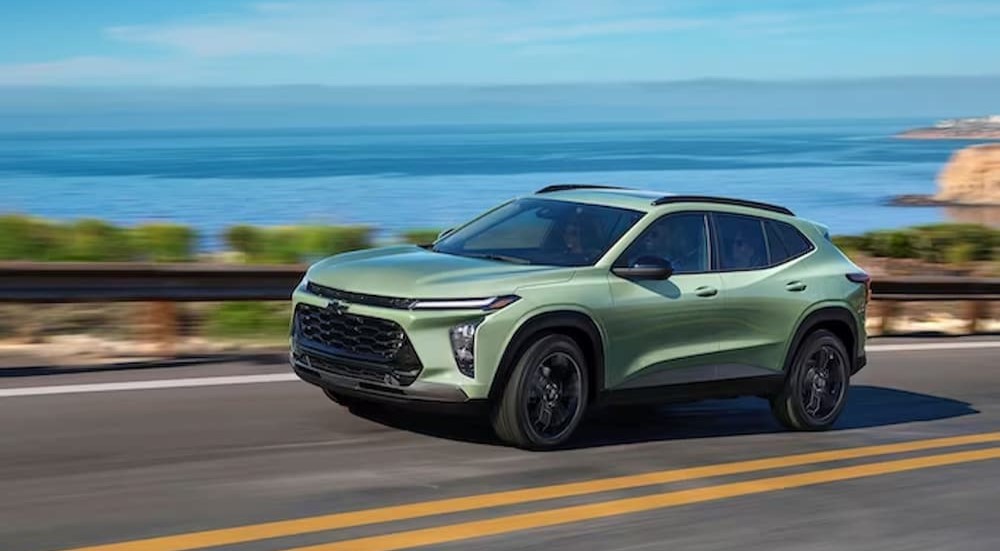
(541, 231)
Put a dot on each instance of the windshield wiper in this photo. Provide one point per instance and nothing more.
(501, 258)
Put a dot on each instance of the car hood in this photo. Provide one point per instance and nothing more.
(413, 272)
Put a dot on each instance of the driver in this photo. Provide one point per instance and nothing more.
(579, 236)
(572, 236)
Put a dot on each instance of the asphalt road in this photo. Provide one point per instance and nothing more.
(91, 466)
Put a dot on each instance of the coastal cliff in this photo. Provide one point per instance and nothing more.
(971, 177)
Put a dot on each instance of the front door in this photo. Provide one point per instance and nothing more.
(664, 332)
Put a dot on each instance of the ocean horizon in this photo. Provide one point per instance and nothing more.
(838, 172)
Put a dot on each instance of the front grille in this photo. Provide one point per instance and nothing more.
(359, 298)
(360, 347)
(385, 375)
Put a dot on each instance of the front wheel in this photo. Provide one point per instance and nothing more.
(815, 389)
(545, 397)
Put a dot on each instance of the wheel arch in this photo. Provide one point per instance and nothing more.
(835, 318)
(577, 325)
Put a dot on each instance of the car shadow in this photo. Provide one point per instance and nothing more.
(868, 406)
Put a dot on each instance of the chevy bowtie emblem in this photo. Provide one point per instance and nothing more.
(336, 307)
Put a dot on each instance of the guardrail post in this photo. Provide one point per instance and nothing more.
(163, 321)
(886, 311)
(975, 310)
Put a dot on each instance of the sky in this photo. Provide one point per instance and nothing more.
(487, 42)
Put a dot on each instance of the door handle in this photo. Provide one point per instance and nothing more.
(795, 286)
(706, 291)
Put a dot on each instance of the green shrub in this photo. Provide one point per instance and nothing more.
(91, 240)
(321, 241)
(164, 242)
(247, 319)
(855, 242)
(931, 242)
(960, 253)
(292, 244)
(244, 239)
(891, 243)
(420, 236)
(26, 238)
(935, 240)
(94, 240)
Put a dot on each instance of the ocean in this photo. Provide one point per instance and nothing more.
(837, 172)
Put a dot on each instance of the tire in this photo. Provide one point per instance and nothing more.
(815, 390)
(551, 375)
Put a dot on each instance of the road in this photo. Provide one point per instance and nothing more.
(273, 459)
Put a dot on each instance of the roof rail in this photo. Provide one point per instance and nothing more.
(565, 187)
(721, 201)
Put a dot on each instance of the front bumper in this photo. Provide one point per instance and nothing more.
(418, 395)
(437, 377)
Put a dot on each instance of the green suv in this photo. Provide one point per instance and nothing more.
(582, 296)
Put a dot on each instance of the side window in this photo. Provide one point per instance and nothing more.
(741, 242)
(795, 242)
(680, 238)
(776, 246)
(785, 241)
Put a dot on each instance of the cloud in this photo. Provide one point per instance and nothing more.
(85, 69)
(280, 41)
(308, 28)
(585, 30)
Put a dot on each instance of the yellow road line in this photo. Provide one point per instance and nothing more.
(566, 515)
(254, 532)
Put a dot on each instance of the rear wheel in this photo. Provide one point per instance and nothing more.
(815, 389)
(545, 397)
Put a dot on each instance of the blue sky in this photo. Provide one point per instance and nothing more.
(376, 42)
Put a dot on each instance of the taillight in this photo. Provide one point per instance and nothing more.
(862, 277)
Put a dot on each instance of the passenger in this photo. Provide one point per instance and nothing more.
(744, 254)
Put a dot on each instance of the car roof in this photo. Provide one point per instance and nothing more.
(647, 200)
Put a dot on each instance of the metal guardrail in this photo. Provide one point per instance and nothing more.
(936, 288)
(128, 282)
(167, 284)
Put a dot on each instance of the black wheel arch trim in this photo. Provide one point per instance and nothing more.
(816, 319)
(546, 323)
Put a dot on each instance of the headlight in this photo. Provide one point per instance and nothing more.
(488, 304)
(463, 346)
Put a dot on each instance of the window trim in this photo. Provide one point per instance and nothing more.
(716, 267)
(706, 220)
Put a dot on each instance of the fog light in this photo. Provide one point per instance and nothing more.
(463, 345)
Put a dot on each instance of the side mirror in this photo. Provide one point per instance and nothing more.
(646, 267)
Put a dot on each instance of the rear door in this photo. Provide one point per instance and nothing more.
(665, 331)
(767, 284)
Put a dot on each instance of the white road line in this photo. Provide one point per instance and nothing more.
(286, 377)
(931, 346)
(148, 385)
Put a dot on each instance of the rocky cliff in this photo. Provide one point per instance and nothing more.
(972, 176)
